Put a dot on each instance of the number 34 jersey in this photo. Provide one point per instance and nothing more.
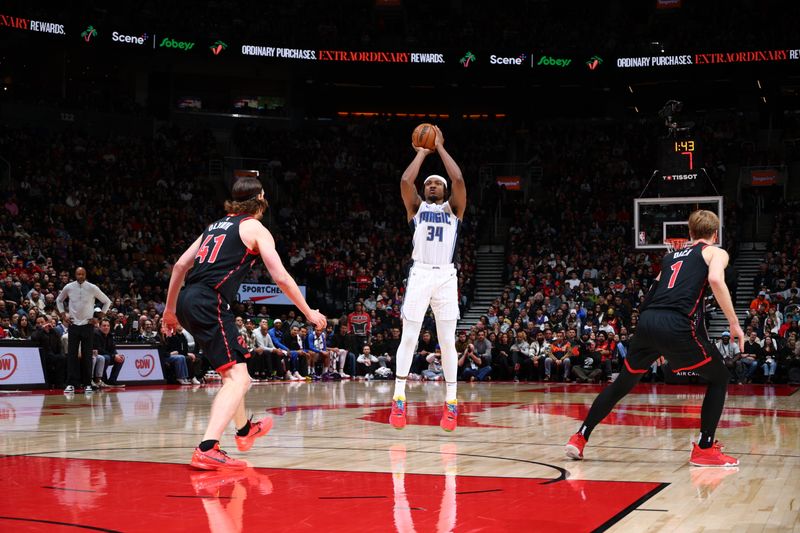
(223, 261)
(684, 276)
(436, 230)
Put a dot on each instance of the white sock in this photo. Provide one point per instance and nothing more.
(399, 389)
(451, 392)
(446, 330)
(405, 355)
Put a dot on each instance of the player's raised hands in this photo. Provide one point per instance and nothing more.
(439, 136)
(421, 150)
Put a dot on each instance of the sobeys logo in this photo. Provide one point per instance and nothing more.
(180, 45)
(553, 62)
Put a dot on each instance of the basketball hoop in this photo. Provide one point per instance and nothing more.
(675, 243)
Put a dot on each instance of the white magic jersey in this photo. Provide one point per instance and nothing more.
(435, 234)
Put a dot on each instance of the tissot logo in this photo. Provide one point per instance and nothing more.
(179, 45)
(129, 39)
(8, 365)
(680, 177)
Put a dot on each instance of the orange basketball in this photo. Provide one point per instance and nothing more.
(424, 136)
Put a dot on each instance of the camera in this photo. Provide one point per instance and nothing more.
(668, 112)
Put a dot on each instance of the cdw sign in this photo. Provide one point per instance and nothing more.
(8, 365)
(141, 364)
(22, 366)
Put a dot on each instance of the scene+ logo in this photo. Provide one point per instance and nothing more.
(497, 60)
(547, 61)
(129, 39)
(145, 365)
(594, 62)
(8, 365)
(89, 33)
(468, 58)
(168, 42)
(218, 47)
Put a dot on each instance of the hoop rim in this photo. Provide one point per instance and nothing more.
(675, 243)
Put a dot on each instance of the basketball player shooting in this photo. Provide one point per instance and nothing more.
(219, 260)
(671, 324)
(433, 279)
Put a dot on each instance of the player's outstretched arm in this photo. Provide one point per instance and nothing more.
(182, 266)
(408, 187)
(458, 196)
(258, 238)
(716, 278)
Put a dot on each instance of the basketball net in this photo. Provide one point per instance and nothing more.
(675, 243)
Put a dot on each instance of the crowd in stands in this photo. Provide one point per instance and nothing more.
(574, 280)
(125, 207)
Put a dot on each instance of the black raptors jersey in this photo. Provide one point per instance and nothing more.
(684, 276)
(222, 261)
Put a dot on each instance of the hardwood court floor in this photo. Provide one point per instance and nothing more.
(117, 461)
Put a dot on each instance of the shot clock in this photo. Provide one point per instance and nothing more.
(679, 156)
(680, 167)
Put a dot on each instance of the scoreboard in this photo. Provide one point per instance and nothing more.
(680, 166)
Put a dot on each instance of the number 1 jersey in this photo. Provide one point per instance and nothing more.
(223, 261)
(684, 276)
(436, 230)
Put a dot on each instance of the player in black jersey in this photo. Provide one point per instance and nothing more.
(671, 324)
(217, 262)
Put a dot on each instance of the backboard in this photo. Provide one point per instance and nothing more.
(656, 219)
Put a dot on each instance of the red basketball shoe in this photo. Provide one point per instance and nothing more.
(449, 416)
(257, 429)
(711, 456)
(574, 448)
(398, 417)
(215, 459)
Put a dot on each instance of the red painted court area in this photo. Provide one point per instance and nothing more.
(668, 390)
(56, 494)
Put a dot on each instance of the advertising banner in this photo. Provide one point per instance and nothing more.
(141, 364)
(511, 183)
(261, 293)
(764, 177)
(20, 366)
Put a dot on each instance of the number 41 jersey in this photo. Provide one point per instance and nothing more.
(435, 234)
(684, 275)
(222, 261)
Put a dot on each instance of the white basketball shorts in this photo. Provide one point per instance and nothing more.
(434, 285)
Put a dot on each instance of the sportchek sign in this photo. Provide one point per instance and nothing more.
(262, 293)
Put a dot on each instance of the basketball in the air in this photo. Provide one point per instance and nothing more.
(424, 136)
